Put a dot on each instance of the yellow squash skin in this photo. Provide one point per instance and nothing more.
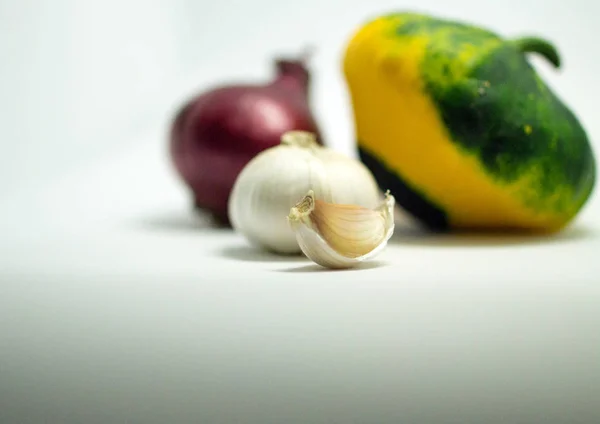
(397, 122)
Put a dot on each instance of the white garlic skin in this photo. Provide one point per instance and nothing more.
(275, 179)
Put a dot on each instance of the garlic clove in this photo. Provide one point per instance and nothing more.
(340, 235)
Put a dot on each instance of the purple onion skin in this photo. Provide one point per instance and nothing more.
(219, 131)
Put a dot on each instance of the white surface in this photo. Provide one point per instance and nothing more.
(116, 305)
(122, 308)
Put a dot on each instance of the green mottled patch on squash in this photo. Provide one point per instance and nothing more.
(495, 107)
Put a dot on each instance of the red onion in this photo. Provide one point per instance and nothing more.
(219, 131)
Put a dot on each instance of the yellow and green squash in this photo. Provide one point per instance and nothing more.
(455, 121)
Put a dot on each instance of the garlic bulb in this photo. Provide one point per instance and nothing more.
(341, 236)
(273, 181)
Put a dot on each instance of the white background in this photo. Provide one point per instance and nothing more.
(117, 305)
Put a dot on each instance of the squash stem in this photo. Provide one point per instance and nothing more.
(539, 46)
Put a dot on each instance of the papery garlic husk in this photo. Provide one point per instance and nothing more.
(273, 181)
(339, 235)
